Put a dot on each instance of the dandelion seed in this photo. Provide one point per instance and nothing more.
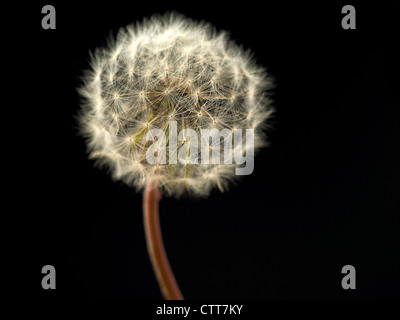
(178, 66)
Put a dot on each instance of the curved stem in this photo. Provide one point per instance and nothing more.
(155, 247)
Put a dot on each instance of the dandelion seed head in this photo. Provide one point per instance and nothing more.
(170, 68)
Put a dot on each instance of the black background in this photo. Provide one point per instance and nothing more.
(323, 195)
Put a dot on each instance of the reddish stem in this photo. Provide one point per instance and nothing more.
(158, 257)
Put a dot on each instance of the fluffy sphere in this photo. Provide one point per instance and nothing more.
(170, 68)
